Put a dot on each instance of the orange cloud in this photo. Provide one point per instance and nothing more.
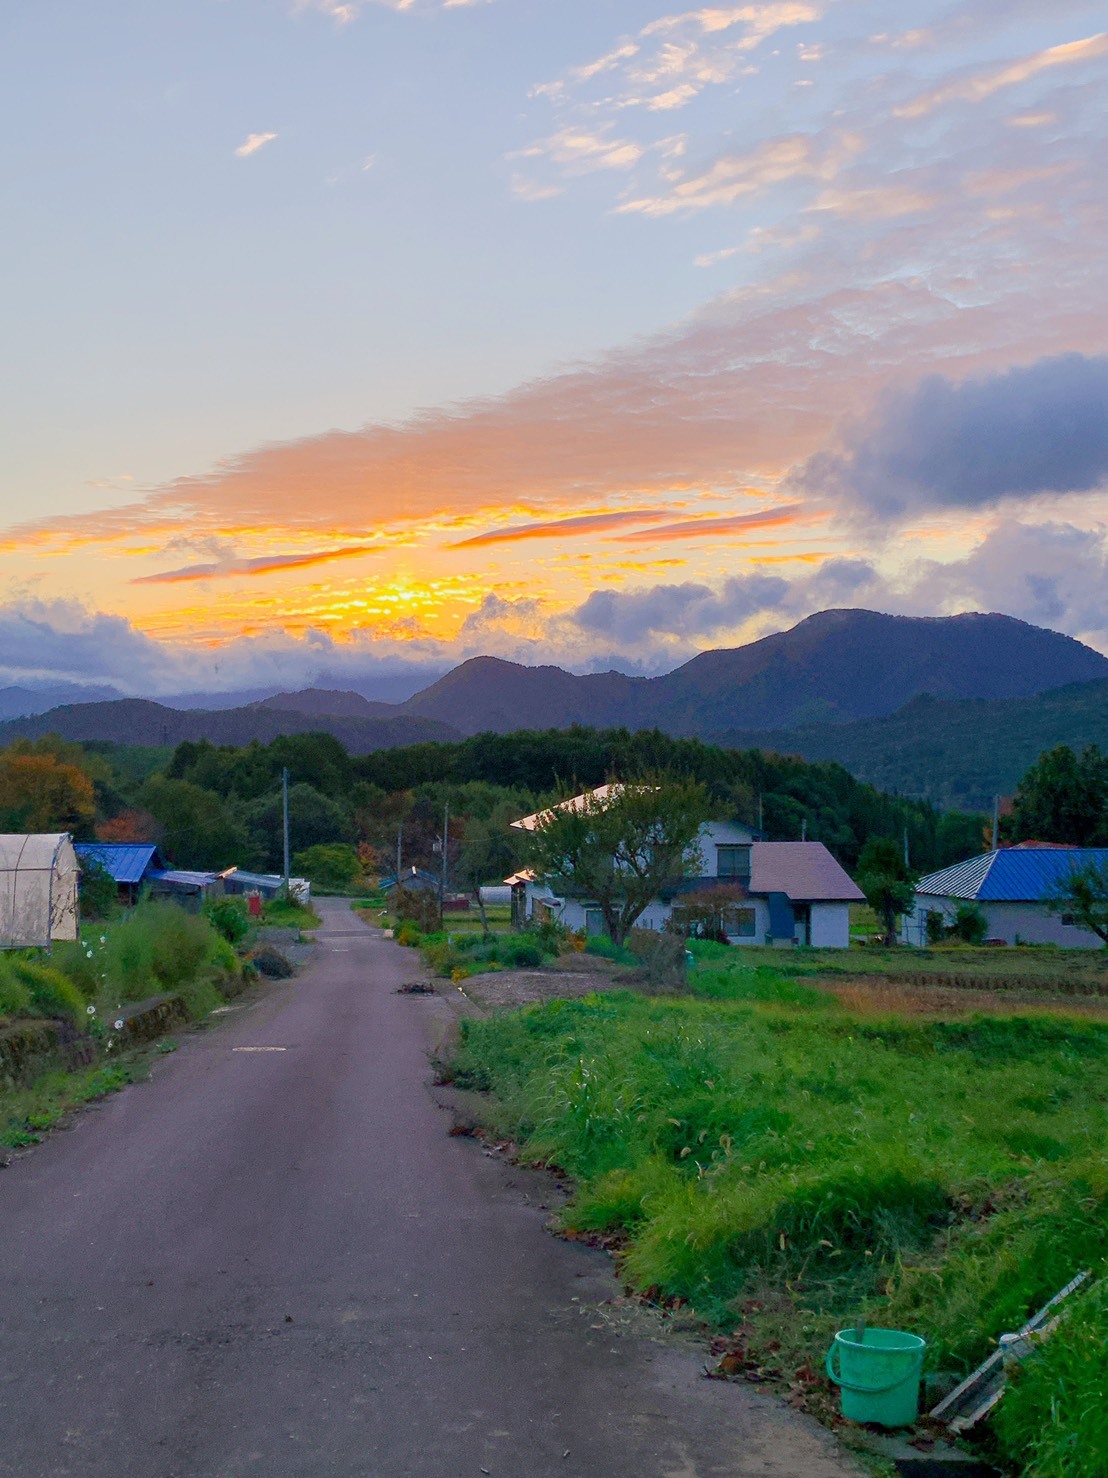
(694, 528)
(587, 523)
(263, 565)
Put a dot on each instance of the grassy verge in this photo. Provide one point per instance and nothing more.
(284, 915)
(783, 1166)
(28, 1113)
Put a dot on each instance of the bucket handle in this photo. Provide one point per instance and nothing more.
(837, 1376)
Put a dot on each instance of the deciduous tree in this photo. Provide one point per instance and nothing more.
(621, 849)
(887, 881)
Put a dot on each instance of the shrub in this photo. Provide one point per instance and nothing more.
(330, 865)
(15, 998)
(935, 925)
(600, 944)
(51, 993)
(969, 924)
(408, 934)
(272, 963)
(99, 896)
(418, 907)
(661, 957)
(520, 953)
(228, 916)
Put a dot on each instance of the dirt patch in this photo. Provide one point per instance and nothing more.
(521, 987)
(876, 995)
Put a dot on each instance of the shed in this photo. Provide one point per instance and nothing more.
(267, 885)
(188, 888)
(38, 889)
(128, 864)
(1013, 887)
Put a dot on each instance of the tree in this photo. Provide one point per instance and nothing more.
(197, 828)
(622, 848)
(489, 853)
(330, 865)
(1063, 797)
(40, 792)
(1083, 893)
(888, 883)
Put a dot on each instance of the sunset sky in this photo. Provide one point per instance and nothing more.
(348, 339)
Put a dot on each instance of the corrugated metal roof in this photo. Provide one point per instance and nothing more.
(804, 871)
(125, 862)
(1012, 875)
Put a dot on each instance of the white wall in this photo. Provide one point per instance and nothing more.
(830, 925)
(1027, 923)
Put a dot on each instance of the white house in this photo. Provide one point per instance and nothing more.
(1012, 887)
(786, 893)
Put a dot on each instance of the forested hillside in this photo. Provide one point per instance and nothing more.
(214, 806)
(950, 753)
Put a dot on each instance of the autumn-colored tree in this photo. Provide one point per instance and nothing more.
(40, 792)
(133, 825)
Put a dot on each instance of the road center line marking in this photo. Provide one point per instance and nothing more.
(259, 1049)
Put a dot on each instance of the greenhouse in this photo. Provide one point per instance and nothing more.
(38, 890)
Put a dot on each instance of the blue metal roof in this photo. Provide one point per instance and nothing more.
(125, 862)
(1012, 875)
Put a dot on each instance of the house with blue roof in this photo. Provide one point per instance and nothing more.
(1012, 886)
(129, 864)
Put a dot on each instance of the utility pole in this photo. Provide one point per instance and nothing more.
(285, 823)
(445, 847)
(996, 822)
(761, 826)
(399, 833)
(907, 862)
(804, 829)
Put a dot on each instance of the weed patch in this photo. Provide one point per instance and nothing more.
(786, 1167)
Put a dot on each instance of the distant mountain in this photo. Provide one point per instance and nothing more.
(954, 753)
(487, 694)
(16, 702)
(328, 701)
(139, 721)
(832, 667)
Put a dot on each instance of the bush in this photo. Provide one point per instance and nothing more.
(272, 963)
(15, 998)
(418, 907)
(97, 891)
(600, 944)
(661, 957)
(229, 917)
(970, 924)
(409, 935)
(49, 992)
(332, 865)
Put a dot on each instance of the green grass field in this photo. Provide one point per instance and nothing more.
(785, 1165)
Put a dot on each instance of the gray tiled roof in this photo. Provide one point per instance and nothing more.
(804, 871)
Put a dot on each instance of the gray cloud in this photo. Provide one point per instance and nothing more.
(1039, 428)
(688, 610)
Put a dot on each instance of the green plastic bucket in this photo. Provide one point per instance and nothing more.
(878, 1375)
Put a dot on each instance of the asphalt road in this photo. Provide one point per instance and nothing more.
(279, 1262)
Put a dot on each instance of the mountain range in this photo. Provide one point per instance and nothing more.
(951, 707)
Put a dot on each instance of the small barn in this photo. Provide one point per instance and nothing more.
(38, 889)
(1013, 887)
(130, 865)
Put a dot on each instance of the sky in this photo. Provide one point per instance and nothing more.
(352, 338)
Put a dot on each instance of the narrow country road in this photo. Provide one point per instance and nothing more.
(279, 1262)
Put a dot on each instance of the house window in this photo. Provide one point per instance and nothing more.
(733, 862)
(740, 923)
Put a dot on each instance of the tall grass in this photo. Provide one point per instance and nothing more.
(777, 1161)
